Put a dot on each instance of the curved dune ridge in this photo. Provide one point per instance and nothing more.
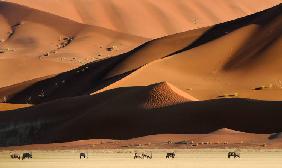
(165, 94)
(7, 106)
(215, 68)
(41, 44)
(207, 63)
(149, 18)
(93, 117)
(226, 131)
(101, 84)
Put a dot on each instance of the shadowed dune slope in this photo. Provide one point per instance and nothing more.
(206, 63)
(230, 65)
(88, 83)
(103, 72)
(170, 45)
(40, 44)
(150, 18)
(137, 112)
(80, 81)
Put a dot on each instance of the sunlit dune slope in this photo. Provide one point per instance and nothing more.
(150, 18)
(7, 106)
(40, 44)
(240, 58)
(244, 60)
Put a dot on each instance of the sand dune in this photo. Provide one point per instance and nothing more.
(220, 47)
(162, 18)
(89, 117)
(165, 94)
(8, 106)
(156, 49)
(58, 45)
(231, 56)
(89, 82)
(226, 131)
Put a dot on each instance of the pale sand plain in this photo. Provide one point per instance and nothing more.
(202, 158)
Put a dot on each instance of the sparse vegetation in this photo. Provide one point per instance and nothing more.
(195, 20)
(181, 143)
(3, 50)
(229, 95)
(42, 94)
(46, 54)
(263, 87)
(5, 99)
(264, 145)
(195, 144)
(64, 41)
(111, 48)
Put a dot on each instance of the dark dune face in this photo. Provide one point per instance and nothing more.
(87, 82)
(93, 117)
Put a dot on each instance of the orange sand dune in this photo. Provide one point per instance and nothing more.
(149, 18)
(226, 131)
(7, 106)
(80, 81)
(89, 82)
(138, 111)
(40, 44)
(232, 65)
(206, 63)
(156, 49)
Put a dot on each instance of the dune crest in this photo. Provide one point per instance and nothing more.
(88, 82)
(165, 94)
(150, 18)
(214, 64)
(226, 131)
(41, 44)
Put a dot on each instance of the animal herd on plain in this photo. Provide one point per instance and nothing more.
(82, 155)
(142, 155)
(26, 155)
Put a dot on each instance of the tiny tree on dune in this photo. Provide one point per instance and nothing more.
(4, 99)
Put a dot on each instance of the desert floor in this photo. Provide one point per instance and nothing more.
(202, 158)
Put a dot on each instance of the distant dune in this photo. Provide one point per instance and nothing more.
(125, 113)
(7, 106)
(63, 78)
(207, 63)
(164, 17)
(226, 131)
(226, 61)
(39, 44)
